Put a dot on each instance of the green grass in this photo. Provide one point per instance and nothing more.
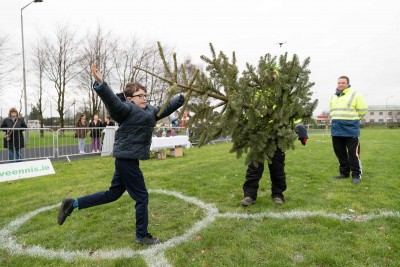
(214, 176)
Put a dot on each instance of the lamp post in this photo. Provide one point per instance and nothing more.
(387, 112)
(23, 66)
(74, 113)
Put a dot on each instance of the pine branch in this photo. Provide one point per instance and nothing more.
(192, 88)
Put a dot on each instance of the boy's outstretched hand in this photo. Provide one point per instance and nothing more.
(96, 74)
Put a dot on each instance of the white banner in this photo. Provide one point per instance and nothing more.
(25, 169)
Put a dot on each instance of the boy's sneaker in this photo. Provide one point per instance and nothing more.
(148, 240)
(65, 210)
(278, 200)
(356, 180)
(247, 201)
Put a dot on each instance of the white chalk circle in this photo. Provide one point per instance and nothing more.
(153, 255)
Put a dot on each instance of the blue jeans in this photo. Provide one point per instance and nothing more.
(81, 144)
(18, 154)
(127, 176)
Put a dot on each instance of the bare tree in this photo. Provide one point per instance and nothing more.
(129, 56)
(157, 88)
(124, 58)
(6, 62)
(61, 66)
(98, 49)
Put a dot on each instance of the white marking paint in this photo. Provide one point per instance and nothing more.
(298, 214)
(154, 255)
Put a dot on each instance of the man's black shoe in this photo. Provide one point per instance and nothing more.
(148, 240)
(356, 180)
(341, 176)
(65, 210)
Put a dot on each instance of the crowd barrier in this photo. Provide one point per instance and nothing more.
(43, 143)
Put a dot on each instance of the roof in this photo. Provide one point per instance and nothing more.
(383, 107)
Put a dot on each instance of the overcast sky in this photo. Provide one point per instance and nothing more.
(357, 38)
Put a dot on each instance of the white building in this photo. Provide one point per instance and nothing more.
(377, 114)
(382, 114)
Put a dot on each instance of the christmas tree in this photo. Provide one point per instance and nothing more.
(257, 109)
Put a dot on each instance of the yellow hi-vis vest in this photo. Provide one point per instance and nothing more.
(350, 105)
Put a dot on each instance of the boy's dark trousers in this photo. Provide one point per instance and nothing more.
(277, 175)
(127, 176)
(347, 150)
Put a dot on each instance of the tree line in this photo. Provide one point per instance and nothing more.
(59, 69)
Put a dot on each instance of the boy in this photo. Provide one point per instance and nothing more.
(136, 121)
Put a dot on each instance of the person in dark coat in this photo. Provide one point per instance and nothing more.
(136, 121)
(14, 139)
(95, 133)
(109, 121)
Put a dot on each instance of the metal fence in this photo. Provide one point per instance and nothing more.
(318, 129)
(61, 143)
(39, 145)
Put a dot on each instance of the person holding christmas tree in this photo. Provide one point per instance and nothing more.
(347, 108)
(255, 108)
(276, 168)
(136, 121)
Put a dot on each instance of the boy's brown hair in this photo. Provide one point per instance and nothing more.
(131, 88)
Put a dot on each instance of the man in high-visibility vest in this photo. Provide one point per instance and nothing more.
(347, 108)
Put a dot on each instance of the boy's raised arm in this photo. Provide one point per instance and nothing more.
(96, 74)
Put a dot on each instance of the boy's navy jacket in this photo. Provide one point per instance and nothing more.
(133, 137)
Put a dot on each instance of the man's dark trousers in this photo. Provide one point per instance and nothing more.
(277, 175)
(127, 176)
(347, 150)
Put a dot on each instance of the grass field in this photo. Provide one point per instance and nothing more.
(324, 222)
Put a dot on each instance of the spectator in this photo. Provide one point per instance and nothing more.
(81, 133)
(174, 119)
(185, 118)
(95, 133)
(109, 121)
(14, 139)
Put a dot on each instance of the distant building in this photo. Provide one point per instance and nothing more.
(382, 114)
(377, 114)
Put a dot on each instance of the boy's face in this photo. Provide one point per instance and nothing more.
(140, 98)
